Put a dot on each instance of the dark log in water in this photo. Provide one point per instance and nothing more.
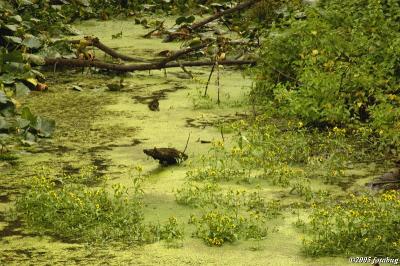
(387, 181)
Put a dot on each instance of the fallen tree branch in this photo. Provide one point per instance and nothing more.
(96, 43)
(238, 7)
(138, 67)
(217, 15)
(182, 52)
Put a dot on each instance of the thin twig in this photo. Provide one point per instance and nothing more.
(208, 81)
(222, 133)
(187, 142)
(218, 100)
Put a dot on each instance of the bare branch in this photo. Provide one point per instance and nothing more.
(138, 67)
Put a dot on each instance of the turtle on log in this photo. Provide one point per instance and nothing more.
(166, 156)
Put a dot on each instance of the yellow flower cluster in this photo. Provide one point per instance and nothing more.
(215, 241)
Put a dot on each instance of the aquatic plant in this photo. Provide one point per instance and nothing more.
(77, 213)
(73, 212)
(364, 224)
(217, 227)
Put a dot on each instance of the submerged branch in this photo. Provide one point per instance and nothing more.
(138, 67)
(94, 41)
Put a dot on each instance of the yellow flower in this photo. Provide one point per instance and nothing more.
(315, 52)
(139, 168)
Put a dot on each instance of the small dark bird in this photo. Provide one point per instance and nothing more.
(154, 105)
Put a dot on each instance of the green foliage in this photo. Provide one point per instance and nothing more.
(217, 227)
(87, 175)
(227, 215)
(172, 232)
(339, 66)
(210, 195)
(367, 224)
(68, 209)
(287, 155)
(77, 213)
(20, 40)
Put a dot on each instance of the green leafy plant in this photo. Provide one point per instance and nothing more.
(365, 224)
(77, 213)
(337, 67)
(217, 227)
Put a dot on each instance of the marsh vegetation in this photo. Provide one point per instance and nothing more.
(283, 119)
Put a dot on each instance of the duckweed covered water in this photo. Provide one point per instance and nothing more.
(109, 130)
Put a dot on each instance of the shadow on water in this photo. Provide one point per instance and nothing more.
(12, 228)
(160, 94)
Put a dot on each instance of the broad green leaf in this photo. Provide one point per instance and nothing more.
(7, 79)
(32, 42)
(13, 39)
(35, 59)
(14, 56)
(11, 27)
(16, 18)
(24, 2)
(22, 123)
(194, 42)
(44, 127)
(27, 115)
(4, 125)
(32, 81)
(180, 20)
(3, 97)
(21, 90)
(190, 19)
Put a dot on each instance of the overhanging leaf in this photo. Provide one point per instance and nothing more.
(22, 123)
(4, 125)
(3, 97)
(13, 39)
(14, 56)
(21, 90)
(24, 2)
(7, 79)
(44, 127)
(11, 27)
(180, 20)
(27, 114)
(32, 42)
(35, 59)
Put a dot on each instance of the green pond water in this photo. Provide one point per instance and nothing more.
(110, 130)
